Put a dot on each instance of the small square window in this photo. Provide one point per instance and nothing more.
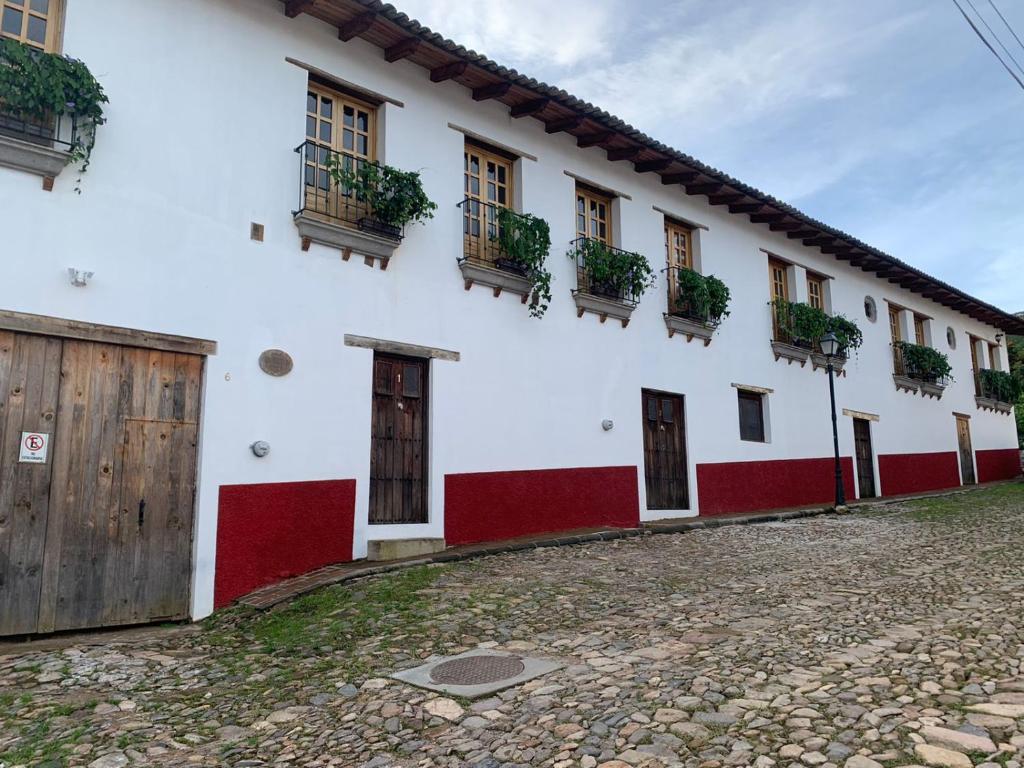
(751, 406)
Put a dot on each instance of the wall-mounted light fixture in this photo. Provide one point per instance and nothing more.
(607, 424)
(260, 448)
(79, 277)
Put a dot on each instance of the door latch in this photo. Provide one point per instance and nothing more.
(142, 511)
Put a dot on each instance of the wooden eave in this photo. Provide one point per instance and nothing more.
(396, 34)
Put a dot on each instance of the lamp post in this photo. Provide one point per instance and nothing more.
(830, 348)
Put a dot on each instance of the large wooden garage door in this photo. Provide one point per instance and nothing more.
(100, 533)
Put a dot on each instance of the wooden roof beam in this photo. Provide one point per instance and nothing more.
(703, 189)
(725, 198)
(447, 71)
(646, 166)
(745, 207)
(769, 217)
(838, 249)
(564, 124)
(686, 177)
(402, 49)
(491, 91)
(801, 234)
(819, 240)
(293, 8)
(594, 139)
(528, 108)
(623, 153)
(356, 26)
(784, 226)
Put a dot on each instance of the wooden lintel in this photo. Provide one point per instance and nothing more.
(105, 334)
(528, 108)
(447, 71)
(646, 166)
(491, 91)
(725, 198)
(402, 49)
(564, 124)
(767, 218)
(356, 26)
(686, 177)
(593, 139)
(745, 207)
(293, 8)
(703, 189)
(623, 153)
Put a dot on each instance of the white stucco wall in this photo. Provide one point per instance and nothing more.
(204, 115)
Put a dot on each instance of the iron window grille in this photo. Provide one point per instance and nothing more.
(587, 284)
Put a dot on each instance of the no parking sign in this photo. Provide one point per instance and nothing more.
(33, 447)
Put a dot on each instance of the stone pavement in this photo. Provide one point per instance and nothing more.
(887, 637)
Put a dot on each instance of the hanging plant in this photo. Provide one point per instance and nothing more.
(849, 335)
(923, 363)
(703, 297)
(39, 88)
(804, 326)
(611, 271)
(395, 197)
(525, 240)
(1000, 385)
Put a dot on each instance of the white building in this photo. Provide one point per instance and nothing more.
(146, 381)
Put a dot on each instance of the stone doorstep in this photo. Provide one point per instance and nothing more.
(399, 549)
(269, 596)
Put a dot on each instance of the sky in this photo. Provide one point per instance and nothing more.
(888, 119)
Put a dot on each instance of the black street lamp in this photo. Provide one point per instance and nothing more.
(830, 349)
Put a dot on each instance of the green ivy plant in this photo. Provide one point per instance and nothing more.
(613, 270)
(395, 197)
(526, 240)
(1000, 385)
(923, 363)
(37, 88)
(705, 297)
(804, 325)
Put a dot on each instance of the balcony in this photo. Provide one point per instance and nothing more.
(488, 234)
(919, 368)
(696, 304)
(42, 148)
(609, 281)
(336, 216)
(996, 390)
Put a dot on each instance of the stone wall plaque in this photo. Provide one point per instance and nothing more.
(275, 362)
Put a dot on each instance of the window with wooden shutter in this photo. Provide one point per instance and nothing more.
(816, 291)
(894, 323)
(679, 254)
(593, 215)
(33, 22)
(919, 337)
(751, 405)
(777, 272)
(487, 185)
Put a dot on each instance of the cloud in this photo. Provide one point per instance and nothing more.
(525, 32)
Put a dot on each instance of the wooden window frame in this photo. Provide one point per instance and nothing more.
(674, 230)
(340, 101)
(895, 329)
(53, 18)
(477, 210)
(920, 337)
(594, 197)
(751, 396)
(816, 282)
(774, 265)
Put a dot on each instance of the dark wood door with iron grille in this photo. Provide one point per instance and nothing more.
(98, 532)
(398, 441)
(865, 458)
(665, 468)
(963, 436)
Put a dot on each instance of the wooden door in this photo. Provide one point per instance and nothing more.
(398, 442)
(110, 538)
(865, 458)
(665, 470)
(963, 435)
(29, 383)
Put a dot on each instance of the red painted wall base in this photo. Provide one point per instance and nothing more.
(747, 486)
(901, 473)
(491, 506)
(998, 464)
(271, 531)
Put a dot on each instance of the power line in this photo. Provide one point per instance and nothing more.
(1000, 14)
(995, 36)
(988, 44)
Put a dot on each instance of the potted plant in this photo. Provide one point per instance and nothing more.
(704, 298)
(1001, 386)
(39, 89)
(611, 272)
(395, 197)
(847, 331)
(923, 363)
(524, 241)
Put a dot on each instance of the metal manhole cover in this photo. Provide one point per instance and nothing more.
(477, 670)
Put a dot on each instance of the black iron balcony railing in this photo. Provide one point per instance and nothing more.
(903, 365)
(1000, 386)
(55, 132)
(782, 322)
(320, 194)
(679, 305)
(481, 235)
(587, 282)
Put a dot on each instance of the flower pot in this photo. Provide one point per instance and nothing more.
(607, 290)
(377, 227)
(509, 265)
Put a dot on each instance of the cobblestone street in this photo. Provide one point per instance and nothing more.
(891, 636)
